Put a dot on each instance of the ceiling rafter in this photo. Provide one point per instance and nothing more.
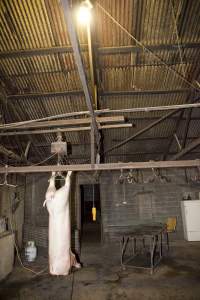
(78, 59)
(187, 149)
(102, 94)
(101, 50)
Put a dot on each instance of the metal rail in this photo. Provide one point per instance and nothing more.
(103, 167)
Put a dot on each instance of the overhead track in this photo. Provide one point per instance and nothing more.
(102, 167)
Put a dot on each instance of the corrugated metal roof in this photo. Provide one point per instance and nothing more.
(28, 24)
(151, 22)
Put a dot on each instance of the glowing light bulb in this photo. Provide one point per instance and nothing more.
(84, 13)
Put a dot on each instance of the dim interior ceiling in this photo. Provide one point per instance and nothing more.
(39, 77)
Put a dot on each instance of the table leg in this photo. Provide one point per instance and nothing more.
(123, 250)
(167, 240)
(161, 245)
(152, 252)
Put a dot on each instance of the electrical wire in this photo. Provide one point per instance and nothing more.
(177, 36)
(145, 48)
(93, 195)
(43, 161)
(36, 164)
(18, 255)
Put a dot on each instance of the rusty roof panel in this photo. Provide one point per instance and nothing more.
(143, 78)
(150, 22)
(33, 24)
(123, 102)
(28, 24)
(44, 106)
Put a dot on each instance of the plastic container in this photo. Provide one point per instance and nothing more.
(30, 251)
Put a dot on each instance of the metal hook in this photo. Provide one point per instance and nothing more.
(5, 179)
(121, 177)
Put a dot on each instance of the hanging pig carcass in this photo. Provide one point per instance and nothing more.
(61, 259)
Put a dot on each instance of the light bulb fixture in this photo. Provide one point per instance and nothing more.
(84, 13)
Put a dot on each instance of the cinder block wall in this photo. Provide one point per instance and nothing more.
(145, 202)
(36, 216)
(130, 204)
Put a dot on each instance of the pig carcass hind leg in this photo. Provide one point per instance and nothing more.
(74, 262)
(50, 193)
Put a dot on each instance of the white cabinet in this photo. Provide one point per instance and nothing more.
(191, 219)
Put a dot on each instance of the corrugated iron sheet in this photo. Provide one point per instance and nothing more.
(28, 24)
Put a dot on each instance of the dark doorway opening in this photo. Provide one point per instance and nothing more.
(90, 197)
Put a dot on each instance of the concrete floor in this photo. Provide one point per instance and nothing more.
(178, 277)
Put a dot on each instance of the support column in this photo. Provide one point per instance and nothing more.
(93, 145)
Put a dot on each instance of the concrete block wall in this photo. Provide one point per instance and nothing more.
(36, 216)
(129, 204)
(136, 203)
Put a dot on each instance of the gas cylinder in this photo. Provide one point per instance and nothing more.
(30, 251)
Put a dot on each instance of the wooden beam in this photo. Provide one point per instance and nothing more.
(45, 95)
(140, 139)
(176, 128)
(13, 97)
(67, 129)
(187, 149)
(168, 146)
(102, 51)
(187, 124)
(10, 154)
(39, 51)
(69, 122)
(78, 59)
(142, 92)
(153, 108)
(143, 130)
(177, 141)
(127, 49)
(103, 167)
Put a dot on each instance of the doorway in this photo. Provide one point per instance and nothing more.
(90, 197)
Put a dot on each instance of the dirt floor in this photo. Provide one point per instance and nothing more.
(177, 277)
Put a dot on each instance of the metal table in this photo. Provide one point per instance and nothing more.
(144, 240)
